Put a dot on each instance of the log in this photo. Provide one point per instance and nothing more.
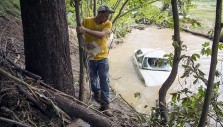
(70, 107)
(74, 110)
(202, 35)
(196, 33)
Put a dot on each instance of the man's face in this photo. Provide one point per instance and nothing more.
(104, 16)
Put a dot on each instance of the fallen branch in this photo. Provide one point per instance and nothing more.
(199, 34)
(10, 113)
(75, 110)
(37, 77)
(13, 77)
(196, 33)
(202, 35)
(13, 122)
(71, 98)
(30, 74)
(35, 102)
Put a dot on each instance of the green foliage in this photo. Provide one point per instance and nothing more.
(86, 11)
(70, 11)
(71, 21)
(121, 31)
(186, 6)
(186, 106)
(193, 22)
(153, 14)
(170, 58)
(195, 56)
(206, 50)
(69, 8)
(10, 7)
(220, 46)
(187, 71)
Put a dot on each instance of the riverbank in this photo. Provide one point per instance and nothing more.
(124, 80)
(124, 77)
(12, 43)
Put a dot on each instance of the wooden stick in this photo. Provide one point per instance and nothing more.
(30, 74)
(13, 77)
(13, 122)
(35, 102)
(11, 113)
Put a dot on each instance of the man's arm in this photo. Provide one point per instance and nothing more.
(97, 34)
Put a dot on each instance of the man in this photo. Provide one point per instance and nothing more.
(96, 31)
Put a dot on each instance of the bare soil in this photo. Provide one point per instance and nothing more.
(11, 38)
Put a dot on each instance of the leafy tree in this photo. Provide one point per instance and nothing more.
(123, 11)
(177, 54)
(212, 72)
(46, 43)
(191, 67)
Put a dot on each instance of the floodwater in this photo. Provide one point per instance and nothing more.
(124, 78)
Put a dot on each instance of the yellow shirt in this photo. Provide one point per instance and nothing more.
(90, 24)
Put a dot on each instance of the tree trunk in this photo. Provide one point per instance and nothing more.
(82, 57)
(208, 94)
(177, 53)
(74, 110)
(95, 7)
(46, 42)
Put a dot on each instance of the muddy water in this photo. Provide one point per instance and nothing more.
(124, 78)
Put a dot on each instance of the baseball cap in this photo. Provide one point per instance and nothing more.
(105, 8)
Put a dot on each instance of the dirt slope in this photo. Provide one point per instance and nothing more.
(11, 38)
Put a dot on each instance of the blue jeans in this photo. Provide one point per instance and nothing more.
(99, 76)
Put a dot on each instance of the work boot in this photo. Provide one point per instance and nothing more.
(106, 110)
(97, 96)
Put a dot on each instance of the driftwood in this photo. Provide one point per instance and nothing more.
(196, 33)
(68, 105)
(202, 35)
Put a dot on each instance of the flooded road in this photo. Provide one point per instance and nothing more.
(124, 78)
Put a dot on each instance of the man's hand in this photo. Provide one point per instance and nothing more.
(98, 34)
(80, 29)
